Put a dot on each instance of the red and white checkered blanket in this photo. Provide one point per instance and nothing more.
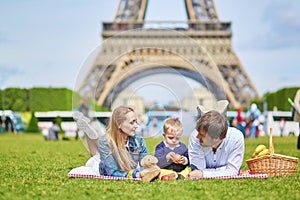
(243, 174)
(84, 172)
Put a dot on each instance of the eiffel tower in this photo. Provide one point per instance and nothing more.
(199, 48)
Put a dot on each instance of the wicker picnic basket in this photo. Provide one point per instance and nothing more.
(273, 164)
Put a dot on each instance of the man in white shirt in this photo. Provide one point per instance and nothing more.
(214, 148)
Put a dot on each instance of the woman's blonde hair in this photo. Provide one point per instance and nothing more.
(116, 139)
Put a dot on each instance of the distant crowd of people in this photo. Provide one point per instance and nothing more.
(249, 123)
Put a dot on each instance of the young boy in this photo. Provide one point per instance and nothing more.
(172, 154)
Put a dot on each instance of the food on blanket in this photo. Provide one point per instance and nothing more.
(244, 172)
(261, 150)
(172, 175)
(166, 177)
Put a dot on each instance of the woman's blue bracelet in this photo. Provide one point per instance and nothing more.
(134, 174)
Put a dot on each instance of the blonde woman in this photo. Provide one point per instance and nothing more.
(120, 149)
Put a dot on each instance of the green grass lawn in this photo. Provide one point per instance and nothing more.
(32, 168)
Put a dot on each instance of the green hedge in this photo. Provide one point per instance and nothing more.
(279, 98)
(42, 99)
(47, 99)
(14, 99)
(50, 99)
(36, 99)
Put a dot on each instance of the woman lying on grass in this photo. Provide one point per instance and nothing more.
(121, 151)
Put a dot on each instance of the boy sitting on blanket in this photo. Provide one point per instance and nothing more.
(172, 154)
(214, 148)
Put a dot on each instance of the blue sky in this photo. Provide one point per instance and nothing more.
(45, 42)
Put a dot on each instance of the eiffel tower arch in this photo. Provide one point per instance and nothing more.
(199, 48)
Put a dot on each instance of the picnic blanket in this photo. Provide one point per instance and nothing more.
(243, 174)
(89, 172)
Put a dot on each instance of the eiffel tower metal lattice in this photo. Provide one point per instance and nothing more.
(199, 48)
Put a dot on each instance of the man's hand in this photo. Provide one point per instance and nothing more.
(195, 174)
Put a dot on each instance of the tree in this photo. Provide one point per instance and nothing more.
(33, 124)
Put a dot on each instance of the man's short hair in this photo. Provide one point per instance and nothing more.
(213, 123)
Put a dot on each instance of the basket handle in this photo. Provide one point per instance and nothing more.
(271, 145)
